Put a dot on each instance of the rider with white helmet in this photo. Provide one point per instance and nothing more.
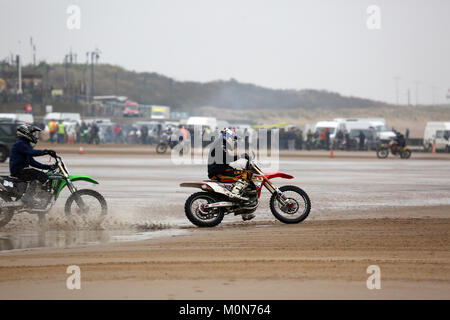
(222, 153)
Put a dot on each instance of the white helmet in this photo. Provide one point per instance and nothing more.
(229, 135)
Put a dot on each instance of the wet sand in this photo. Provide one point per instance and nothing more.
(257, 260)
(391, 213)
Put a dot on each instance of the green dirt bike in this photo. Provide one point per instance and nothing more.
(84, 202)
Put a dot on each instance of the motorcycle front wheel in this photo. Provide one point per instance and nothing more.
(197, 213)
(382, 153)
(87, 203)
(297, 205)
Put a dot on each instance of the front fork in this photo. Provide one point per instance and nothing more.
(274, 190)
(72, 188)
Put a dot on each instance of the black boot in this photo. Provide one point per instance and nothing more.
(27, 197)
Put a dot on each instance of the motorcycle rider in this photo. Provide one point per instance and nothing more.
(222, 153)
(399, 142)
(21, 158)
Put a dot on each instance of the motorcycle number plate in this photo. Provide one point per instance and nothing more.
(8, 184)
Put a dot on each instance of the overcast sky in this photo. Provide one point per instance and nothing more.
(277, 44)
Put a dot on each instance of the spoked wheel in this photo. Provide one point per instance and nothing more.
(296, 208)
(161, 148)
(382, 153)
(6, 214)
(405, 154)
(86, 203)
(199, 215)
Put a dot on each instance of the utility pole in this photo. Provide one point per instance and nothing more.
(397, 79)
(416, 83)
(19, 72)
(116, 76)
(94, 54)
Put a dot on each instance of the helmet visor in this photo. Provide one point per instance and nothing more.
(35, 135)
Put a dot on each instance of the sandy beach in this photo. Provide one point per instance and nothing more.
(390, 213)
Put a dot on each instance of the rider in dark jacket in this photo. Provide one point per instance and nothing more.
(21, 158)
(222, 153)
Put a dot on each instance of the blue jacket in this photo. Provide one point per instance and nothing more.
(21, 157)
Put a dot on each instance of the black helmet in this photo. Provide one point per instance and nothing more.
(28, 132)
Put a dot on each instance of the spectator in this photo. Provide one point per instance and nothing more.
(93, 137)
(309, 139)
(144, 134)
(323, 138)
(61, 132)
(327, 138)
(348, 141)
(362, 140)
(77, 133)
(291, 139)
(118, 138)
(52, 128)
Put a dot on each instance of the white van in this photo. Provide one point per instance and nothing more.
(333, 127)
(379, 124)
(210, 122)
(20, 117)
(438, 133)
(64, 116)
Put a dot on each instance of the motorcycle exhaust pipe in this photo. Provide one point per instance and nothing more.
(219, 204)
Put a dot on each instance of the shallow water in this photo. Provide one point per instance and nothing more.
(144, 190)
(64, 239)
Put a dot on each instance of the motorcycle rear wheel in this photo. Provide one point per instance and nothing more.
(195, 215)
(161, 148)
(382, 153)
(405, 154)
(286, 214)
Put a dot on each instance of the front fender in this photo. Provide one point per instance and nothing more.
(272, 175)
(75, 177)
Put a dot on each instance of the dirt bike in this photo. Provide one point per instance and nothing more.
(383, 151)
(289, 204)
(164, 144)
(84, 202)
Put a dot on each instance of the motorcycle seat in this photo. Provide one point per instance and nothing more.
(11, 179)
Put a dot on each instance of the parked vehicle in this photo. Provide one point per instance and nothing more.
(17, 117)
(131, 109)
(160, 112)
(289, 204)
(333, 127)
(437, 133)
(64, 116)
(7, 138)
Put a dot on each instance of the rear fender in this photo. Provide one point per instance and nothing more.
(206, 186)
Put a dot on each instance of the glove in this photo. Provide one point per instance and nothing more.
(52, 167)
(51, 153)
